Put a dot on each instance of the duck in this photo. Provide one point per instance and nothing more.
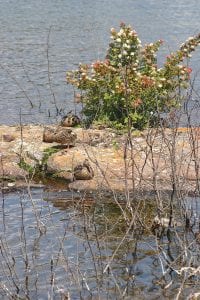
(83, 171)
(60, 135)
(70, 120)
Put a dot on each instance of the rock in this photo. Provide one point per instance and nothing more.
(197, 237)
(105, 150)
(11, 168)
(11, 184)
(8, 138)
(83, 171)
(57, 166)
(94, 137)
(161, 224)
(59, 135)
(62, 163)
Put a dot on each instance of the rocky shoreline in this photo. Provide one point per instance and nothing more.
(149, 160)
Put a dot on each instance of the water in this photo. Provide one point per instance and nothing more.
(79, 32)
(56, 244)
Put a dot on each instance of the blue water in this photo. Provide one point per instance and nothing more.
(62, 227)
(79, 32)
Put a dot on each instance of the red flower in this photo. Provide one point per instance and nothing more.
(107, 62)
(189, 70)
(147, 81)
(122, 24)
(96, 65)
(137, 103)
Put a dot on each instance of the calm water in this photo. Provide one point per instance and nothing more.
(79, 33)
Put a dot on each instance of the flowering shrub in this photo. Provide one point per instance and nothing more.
(128, 87)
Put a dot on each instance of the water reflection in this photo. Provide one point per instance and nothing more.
(64, 244)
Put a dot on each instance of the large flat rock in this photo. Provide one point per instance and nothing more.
(153, 159)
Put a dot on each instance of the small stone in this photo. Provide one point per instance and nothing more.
(8, 138)
(11, 184)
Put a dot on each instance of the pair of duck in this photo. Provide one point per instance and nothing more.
(62, 134)
(66, 136)
(82, 171)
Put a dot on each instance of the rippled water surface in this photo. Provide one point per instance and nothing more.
(64, 245)
(68, 256)
(79, 32)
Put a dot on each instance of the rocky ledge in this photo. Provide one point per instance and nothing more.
(92, 159)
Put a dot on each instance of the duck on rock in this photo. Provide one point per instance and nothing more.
(83, 171)
(64, 136)
(70, 120)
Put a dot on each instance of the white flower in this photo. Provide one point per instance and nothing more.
(138, 74)
(124, 52)
(126, 46)
(118, 40)
(160, 85)
(132, 53)
(132, 33)
(121, 32)
(120, 56)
